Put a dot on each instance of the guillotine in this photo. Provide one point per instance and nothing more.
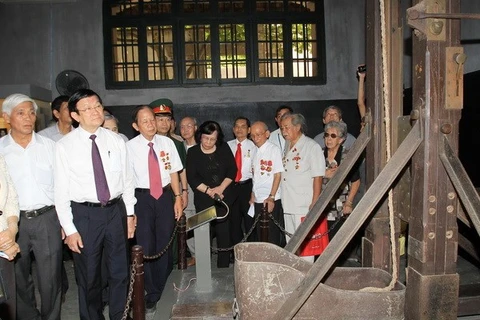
(414, 174)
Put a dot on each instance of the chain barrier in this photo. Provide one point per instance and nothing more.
(158, 255)
(161, 253)
(315, 236)
(245, 237)
(133, 272)
(282, 229)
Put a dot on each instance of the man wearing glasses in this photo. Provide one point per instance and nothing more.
(267, 172)
(30, 158)
(276, 136)
(333, 113)
(94, 196)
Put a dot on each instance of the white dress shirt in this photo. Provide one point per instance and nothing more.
(303, 162)
(248, 152)
(167, 154)
(267, 162)
(31, 169)
(52, 132)
(74, 178)
(277, 139)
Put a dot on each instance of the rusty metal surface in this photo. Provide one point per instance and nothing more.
(266, 275)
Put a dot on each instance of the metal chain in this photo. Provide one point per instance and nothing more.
(158, 255)
(133, 272)
(314, 237)
(243, 240)
(270, 215)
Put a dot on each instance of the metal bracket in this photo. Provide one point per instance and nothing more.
(419, 19)
(454, 62)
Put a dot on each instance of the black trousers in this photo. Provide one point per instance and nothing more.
(42, 237)
(275, 234)
(240, 221)
(155, 224)
(103, 230)
(8, 309)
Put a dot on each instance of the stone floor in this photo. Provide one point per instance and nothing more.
(181, 291)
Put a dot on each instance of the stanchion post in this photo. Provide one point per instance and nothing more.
(182, 242)
(139, 284)
(264, 224)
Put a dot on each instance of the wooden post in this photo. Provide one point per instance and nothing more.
(264, 223)
(182, 242)
(432, 242)
(139, 285)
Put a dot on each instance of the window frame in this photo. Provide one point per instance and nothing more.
(178, 20)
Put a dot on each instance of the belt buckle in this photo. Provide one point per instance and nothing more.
(31, 214)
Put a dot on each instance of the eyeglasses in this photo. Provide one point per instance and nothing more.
(332, 135)
(90, 109)
(209, 139)
(187, 126)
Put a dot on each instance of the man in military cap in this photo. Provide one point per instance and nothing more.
(163, 118)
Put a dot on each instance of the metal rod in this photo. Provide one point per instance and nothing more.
(415, 15)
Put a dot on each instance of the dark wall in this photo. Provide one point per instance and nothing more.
(225, 114)
(469, 142)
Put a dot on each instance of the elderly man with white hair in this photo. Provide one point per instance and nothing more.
(30, 158)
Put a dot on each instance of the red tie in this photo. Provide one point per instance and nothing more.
(238, 161)
(154, 175)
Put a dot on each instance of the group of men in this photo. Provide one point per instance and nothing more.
(88, 187)
(84, 185)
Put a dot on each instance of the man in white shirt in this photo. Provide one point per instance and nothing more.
(276, 136)
(30, 159)
(188, 126)
(243, 180)
(267, 173)
(62, 126)
(63, 121)
(155, 215)
(95, 205)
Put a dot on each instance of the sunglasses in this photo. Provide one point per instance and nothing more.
(333, 135)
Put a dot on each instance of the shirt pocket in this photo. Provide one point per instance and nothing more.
(114, 161)
(44, 175)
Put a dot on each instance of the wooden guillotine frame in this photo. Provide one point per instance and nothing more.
(414, 174)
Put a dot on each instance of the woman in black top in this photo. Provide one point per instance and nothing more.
(211, 170)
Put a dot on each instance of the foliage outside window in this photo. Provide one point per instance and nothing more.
(153, 43)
